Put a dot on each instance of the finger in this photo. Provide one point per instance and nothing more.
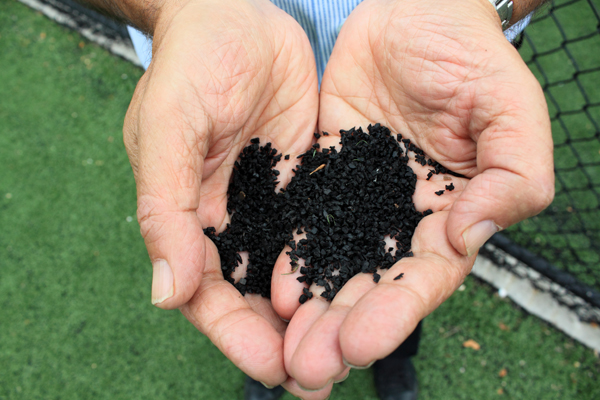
(259, 304)
(172, 232)
(212, 211)
(514, 160)
(437, 193)
(248, 339)
(292, 386)
(300, 324)
(386, 315)
(130, 125)
(168, 187)
(263, 307)
(311, 349)
(317, 359)
(285, 287)
(434, 192)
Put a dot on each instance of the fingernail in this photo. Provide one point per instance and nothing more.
(315, 390)
(162, 281)
(347, 364)
(267, 386)
(343, 379)
(478, 234)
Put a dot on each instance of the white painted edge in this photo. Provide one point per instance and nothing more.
(118, 48)
(536, 302)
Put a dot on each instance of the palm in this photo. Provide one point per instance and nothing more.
(436, 82)
(427, 81)
(218, 78)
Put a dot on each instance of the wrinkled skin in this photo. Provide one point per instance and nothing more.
(444, 76)
(226, 71)
(222, 73)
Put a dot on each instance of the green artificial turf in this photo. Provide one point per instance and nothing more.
(75, 314)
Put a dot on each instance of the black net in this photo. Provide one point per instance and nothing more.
(561, 46)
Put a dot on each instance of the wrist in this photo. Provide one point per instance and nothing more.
(141, 14)
(504, 8)
(490, 10)
(164, 14)
(171, 10)
(146, 15)
(520, 9)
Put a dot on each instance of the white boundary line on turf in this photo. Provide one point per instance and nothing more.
(539, 303)
(117, 47)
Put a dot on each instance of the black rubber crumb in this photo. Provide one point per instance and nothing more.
(255, 224)
(450, 187)
(399, 276)
(439, 192)
(345, 202)
(440, 169)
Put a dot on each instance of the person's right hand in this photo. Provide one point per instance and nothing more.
(444, 76)
(222, 72)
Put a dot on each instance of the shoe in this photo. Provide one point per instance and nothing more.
(254, 390)
(395, 379)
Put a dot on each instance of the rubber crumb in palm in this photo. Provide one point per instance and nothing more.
(345, 202)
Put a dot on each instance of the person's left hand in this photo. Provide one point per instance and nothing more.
(444, 76)
(223, 72)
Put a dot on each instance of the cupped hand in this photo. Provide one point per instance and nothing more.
(222, 72)
(443, 75)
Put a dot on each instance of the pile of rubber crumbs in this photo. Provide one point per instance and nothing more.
(341, 203)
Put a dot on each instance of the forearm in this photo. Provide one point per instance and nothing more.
(522, 8)
(142, 14)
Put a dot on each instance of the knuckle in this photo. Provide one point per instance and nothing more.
(543, 192)
(130, 124)
(465, 205)
(151, 220)
(537, 182)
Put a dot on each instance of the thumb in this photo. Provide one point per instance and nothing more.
(167, 162)
(515, 164)
(175, 243)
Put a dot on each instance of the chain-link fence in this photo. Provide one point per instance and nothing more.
(562, 48)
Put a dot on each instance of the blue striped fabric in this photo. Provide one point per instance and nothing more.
(320, 19)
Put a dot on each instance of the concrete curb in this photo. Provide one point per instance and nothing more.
(87, 27)
(542, 304)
